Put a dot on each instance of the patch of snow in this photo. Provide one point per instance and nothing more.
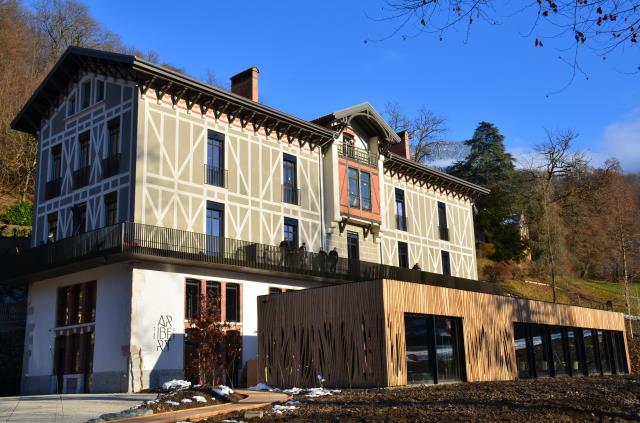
(320, 392)
(199, 398)
(185, 400)
(261, 387)
(150, 402)
(176, 384)
(171, 403)
(223, 390)
(292, 391)
(233, 421)
(280, 408)
(292, 402)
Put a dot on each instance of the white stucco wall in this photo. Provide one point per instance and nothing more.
(111, 326)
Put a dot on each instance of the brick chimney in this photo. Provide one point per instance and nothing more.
(246, 83)
(403, 149)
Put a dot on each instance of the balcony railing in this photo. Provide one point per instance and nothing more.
(215, 176)
(444, 233)
(133, 240)
(111, 166)
(81, 177)
(358, 154)
(52, 188)
(290, 194)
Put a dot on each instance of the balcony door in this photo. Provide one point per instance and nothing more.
(215, 229)
(215, 159)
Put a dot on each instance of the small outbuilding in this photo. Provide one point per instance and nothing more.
(389, 333)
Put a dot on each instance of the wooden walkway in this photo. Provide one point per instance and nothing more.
(254, 399)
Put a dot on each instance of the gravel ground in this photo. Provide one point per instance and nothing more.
(608, 398)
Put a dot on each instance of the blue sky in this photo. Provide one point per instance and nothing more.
(313, 60)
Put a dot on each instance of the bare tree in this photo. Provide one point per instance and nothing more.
(554, 161)
(426, 130)
(601, 25)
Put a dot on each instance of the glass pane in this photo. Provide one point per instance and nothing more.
(522, 351)
(590, 351)
(192, 300)
(540, 348)
(574, 352)
(619, 351)
(605, 359)
(417, 334)
(447, 355)
(365, 189)
(233, 303)
(558, 349)
(354, 189)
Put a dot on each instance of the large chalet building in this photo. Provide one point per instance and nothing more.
(155, 190)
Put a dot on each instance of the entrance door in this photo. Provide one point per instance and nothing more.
(353, 246)
(215, 228)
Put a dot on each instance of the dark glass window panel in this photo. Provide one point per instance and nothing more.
(619, 352)
(446, 263)
(591, 354)
(447, 345)
(289, 180)
(419, 341)
(71, 105)
(99, 90)
(605, 356)
(85, 90)
(111, 209)
(403, 254)
(192, 296)
(56, 162)
(522, 350)
(291, 232)
(575, 352)
(401, 219)
(353, 247)
(52, 220)
(442, 214)
(354, 188)
(215, 228)
(114, 137)
(233, 302)
(558, 350)
(273, 290)
(83, 154)
(365, 190)
(540, 344)
(215, 158)
(80, 219)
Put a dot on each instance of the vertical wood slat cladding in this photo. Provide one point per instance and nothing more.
(336, 332)
(354, 335)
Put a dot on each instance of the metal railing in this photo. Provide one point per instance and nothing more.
(81, 177)
(444, 233)
(290, 194)
(216, 176)
(111, 166)
(358, 154)
(139, 240)
(52, 188)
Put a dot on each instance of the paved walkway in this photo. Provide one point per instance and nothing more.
(68, 408)
(253, 400)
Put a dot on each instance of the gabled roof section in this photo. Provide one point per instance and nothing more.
(165, 82)
(365, 116)
(396, 165)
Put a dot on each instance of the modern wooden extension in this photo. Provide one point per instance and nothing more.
(353, 335)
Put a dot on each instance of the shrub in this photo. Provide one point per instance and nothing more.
(19, 214)
(486, 249)
(501, 271)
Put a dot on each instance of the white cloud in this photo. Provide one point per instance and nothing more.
(620, 140)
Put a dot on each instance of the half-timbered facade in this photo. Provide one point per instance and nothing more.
(154, 190)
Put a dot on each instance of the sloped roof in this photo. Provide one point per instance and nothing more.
(147, 75)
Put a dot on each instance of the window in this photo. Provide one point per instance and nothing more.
(81, 175)
(446, 263)
(353, 247)
(273, 290)
(215, 228)
(99, 90)
(52, 223)
(365, 190)
(543, 350)
(111, 208)
(233, 302)
(192, 299)
(85, 94)
(434, 349)
(215, 159)
(289, 179)
(80, 218)
(76, 304)
(401, 217)
(442, 221)
(291, 232)
(114, 137)
(403, 255)
(56, 162)
(354, 188)
(71, 105)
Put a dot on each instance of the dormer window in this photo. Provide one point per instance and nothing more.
(71, 105)
(99, 90)
(85, 94)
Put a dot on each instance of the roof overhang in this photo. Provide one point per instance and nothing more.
(396, 165)
(165, 82)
